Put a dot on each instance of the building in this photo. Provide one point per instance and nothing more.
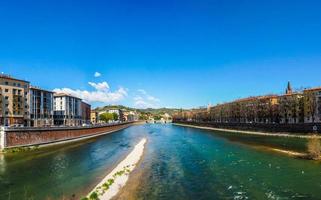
(67, 110)
(85, 113)
(40, 107)
(130, 116)
(291, 108)
(14, 108)
(119, 113)
(312, 105)
(94, 119)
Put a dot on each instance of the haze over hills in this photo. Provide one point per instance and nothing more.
(153, 111)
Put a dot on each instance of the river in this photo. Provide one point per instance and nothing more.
(179, 163)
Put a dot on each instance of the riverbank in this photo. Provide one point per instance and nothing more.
(290, 153)
(118, 177)
(247, 132)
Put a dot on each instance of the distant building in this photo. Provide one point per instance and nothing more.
(119, 112)
(291, 108)
(312, 105)
(41, 107)
(289, 89)
(67, 110)
(85, 113)
(130, 116)
(94, 119)
(14, 108)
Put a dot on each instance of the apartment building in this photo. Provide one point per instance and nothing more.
(291, 108)
(85, 113)
(94, 119)
(312, 105)
(119, 112)
(14, 108)
(67, 110)
(40, 107)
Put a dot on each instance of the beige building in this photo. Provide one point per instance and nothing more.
(14, 108)
(291, 108)
(94, 117)
(312, 105)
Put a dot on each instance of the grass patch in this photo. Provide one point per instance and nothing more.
(105, 187)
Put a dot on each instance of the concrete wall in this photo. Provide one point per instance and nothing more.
(273, 128)
(38, 136)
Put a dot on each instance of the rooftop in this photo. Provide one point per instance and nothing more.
(65, 95)
(38, 88)
(313, 89)
(12, 78)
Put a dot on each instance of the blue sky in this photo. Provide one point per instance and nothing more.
(162, 53)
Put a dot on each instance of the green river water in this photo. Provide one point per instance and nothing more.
(178, 163)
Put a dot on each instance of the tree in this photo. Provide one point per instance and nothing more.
(314, 148)
(115, 116)
(106, 117)
(157, 117)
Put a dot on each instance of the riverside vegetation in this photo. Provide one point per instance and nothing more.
(314, 148)
(102, 189)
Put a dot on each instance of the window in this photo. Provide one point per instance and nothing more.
(6, 90)
(6, 97)
(19, 84)
(14, 84)
(6, 83)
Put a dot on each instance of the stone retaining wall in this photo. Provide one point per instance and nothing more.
(37, 136)
(272, 128)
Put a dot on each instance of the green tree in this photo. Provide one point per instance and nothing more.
(157, 117)
(115, 116)
(106, 117)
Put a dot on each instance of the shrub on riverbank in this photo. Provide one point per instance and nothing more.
(93, 196)
(314, 148)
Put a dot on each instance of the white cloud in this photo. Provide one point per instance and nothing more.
(144, 100)
(103, 86)
(97, 74)
(101, 93)
(142, 91)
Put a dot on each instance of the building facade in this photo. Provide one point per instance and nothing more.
(312, 105)
(85, 113)
(94, 119)
(119, 112)
(41, 107)
(289, 108)
(67, 110)
(14, 108)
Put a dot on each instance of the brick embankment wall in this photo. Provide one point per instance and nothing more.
(270, 128)
(28, 137)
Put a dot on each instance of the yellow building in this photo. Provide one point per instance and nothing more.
(14, 106)
(94, 117)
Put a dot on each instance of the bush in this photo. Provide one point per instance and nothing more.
(93, 196)
(314, 148)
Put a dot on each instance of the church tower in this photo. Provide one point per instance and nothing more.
(288, 89)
